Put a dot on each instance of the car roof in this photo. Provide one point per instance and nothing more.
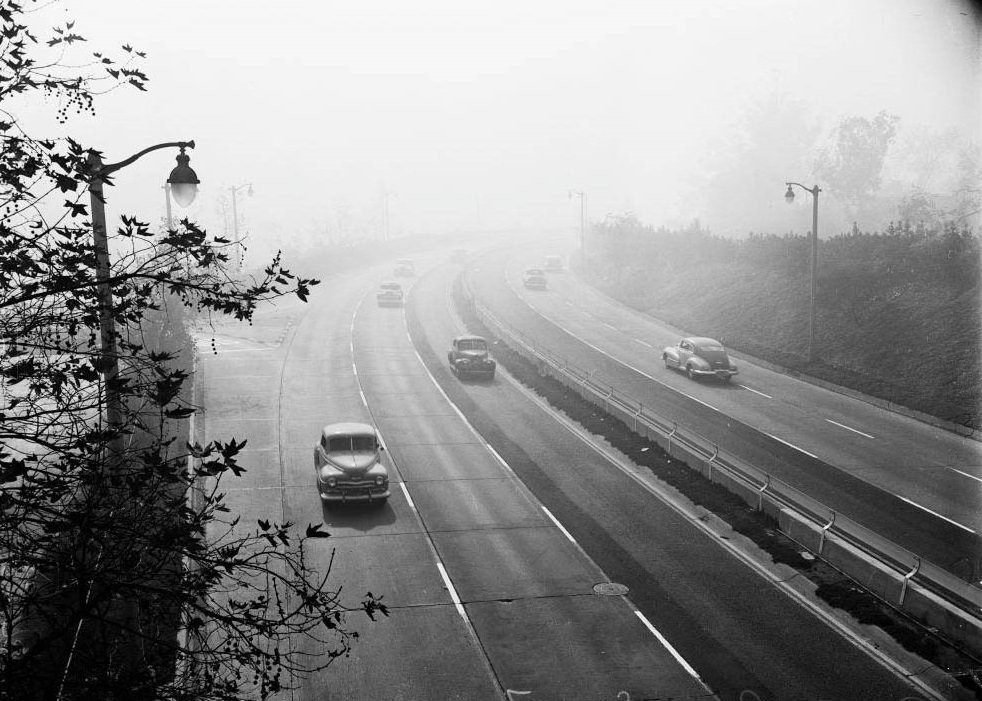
(348, 428)
(470, 337)
(703, 341)
(391, 283)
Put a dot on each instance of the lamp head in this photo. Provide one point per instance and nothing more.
(789, 195)
(183, 181)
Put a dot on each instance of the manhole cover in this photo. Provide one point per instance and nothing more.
(610, 589)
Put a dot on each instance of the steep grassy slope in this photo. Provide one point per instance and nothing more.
(898, 316)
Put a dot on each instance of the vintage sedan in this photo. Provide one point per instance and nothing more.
(389, 295)
(348, 466)
(470, 356)
(534, 279)
(700, 357)
(404, 268)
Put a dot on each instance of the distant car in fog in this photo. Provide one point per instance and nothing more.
(459, 255)
(470, 356)
(404, 268)
(554, 264)
(389, 294)
(348, 464)
(697, 357)
(534, 279)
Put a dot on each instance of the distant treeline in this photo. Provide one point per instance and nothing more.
(898, 311)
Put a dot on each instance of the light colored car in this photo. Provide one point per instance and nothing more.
(404, 268)
(470, 356)
(700, 357)
(389, 294)
(348, 465)
(534, 279)
(554, 264)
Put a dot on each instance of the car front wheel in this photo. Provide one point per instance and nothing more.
(688, 372)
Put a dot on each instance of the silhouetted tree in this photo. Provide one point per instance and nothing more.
(122, 572)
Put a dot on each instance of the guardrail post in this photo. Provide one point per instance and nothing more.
(760, 492)
(607, 399)
(637, 414)
(907, 578)
(825, 530)
(675, 427)
(710, 463)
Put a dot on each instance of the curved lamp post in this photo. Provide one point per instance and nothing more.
(235, 218)
(582, 196)
(789, 198)
(183, 185)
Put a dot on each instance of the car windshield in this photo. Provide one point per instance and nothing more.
(391, 286)
(533, 271)
(351, 444)
(473, 345)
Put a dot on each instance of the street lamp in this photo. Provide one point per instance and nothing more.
(235, 216)
(582, 196)
(789, 198)
(183, 184)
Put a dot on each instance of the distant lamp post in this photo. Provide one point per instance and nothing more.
(789, 198)
(183, 184)
(582, 196)
(235, 219)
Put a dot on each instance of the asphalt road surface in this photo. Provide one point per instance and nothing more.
(493, 542)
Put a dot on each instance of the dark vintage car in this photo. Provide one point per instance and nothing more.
(404, 268)
(470, 356)
(534, 279)
(347, 462)
(389, 294)
(700, 357)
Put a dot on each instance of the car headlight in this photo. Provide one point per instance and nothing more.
(332, 481)
(380, 480)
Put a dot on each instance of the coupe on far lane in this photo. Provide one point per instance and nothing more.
(700, 357)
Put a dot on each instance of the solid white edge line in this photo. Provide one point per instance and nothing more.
(849, 428)
(667, 645)
(560, 526)
(790, 445)
(451, 591)
(935, 513)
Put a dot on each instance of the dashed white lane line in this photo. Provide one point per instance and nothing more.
(643, 343)
(450, 590)
(560, 526)
(667, 645)
(965, 474)
(791, 445)
(751, 389)
(935, 513)
(849, 428)
(409, 499)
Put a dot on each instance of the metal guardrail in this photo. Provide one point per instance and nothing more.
(772, 493)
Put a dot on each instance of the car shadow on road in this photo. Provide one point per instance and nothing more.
(357, 516)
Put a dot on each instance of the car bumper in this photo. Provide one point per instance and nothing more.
(719, 372)
(337, 495)
(475, 370)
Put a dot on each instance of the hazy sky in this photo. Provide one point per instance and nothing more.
(489, 112)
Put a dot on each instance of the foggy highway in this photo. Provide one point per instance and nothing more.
(916, 484)
(490, 578)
